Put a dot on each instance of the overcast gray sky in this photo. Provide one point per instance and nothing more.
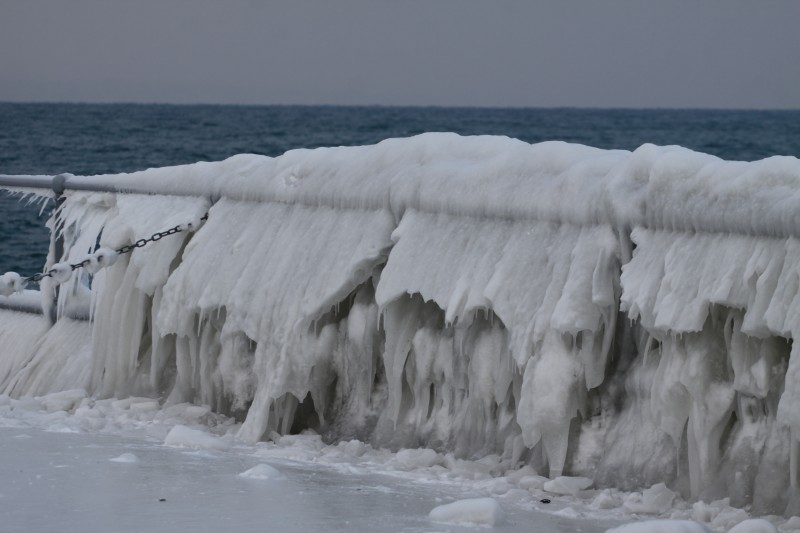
(620, 53)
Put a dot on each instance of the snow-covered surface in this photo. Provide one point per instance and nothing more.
(469, 512)
(29, 301)
(37, 358)
(756, 525)
(661, 526)
(687, 526)
(113, 460)
(184, 437)
(125, 458)
(607, 319)
(263, 472)
(567, 485)
(103, 466)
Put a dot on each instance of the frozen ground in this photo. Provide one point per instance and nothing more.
(59, 474)
(76, 464)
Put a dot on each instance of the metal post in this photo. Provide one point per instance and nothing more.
(57, 236)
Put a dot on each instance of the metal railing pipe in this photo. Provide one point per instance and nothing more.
(35, 308)
(65, 182)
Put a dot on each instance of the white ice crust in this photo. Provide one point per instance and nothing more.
(263, 472)
(624, 317)
(662, 526)
(470, 512)
(185, 437)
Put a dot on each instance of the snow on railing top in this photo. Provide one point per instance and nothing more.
(669, 188)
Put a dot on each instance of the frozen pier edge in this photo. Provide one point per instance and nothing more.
(623, 316)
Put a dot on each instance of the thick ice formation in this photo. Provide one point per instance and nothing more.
(688, 526)
(125, 458)
(662, 526)
(184, 437)
(472, 512)
(263, 472)
(622, 317)
(37, 358)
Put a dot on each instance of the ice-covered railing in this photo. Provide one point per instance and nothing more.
(627, 316)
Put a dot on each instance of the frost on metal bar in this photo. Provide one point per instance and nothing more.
(623, 316)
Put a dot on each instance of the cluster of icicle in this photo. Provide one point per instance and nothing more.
(625, 316)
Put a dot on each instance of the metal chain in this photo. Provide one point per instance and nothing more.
(36, 278)
(128, 248)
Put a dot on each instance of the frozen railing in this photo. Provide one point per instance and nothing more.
(67, 182)
(30, 301)
(482, 295)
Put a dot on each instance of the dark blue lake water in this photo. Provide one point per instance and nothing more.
(91, 139)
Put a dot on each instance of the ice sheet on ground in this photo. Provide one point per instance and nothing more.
(368, 471)
(184, 437)
(205, 493)
(662, 526)
(756, 525)
(125, 458)
(263, 472)
(657, 499)
(567, 485)
(475, 511)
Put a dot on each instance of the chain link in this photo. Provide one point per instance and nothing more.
(36, 278)
(128, 248)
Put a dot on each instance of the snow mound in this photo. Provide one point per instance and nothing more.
(184, 437)
(64, 401)
(655, 500)
(661, 526)
(475, 512)
(532, 482)
(567, 485)
(263, 472)
(125, 458)
(605, 500)
(412, 459)
(569, 512)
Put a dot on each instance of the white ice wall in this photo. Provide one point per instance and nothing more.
(466, 293)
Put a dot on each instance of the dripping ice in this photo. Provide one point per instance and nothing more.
(622, 316)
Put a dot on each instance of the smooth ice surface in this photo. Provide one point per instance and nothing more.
(56, 478)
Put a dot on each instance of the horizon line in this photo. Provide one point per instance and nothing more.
(403, 106)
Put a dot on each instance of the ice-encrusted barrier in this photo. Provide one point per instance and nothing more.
(624, 316)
